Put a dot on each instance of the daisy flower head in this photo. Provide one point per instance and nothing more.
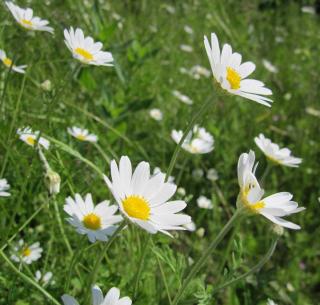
(156, 114)
(182, 98)
(4, 187)
(97, 222)
(32, 137)
(25, 18)
(43, 278)
(198, 141)
(82, 134)
(143, 199)
(9, 63)
(25, 253)
(251, 196)
(85, 49)
(112, 298)
(232, 75)
(276, 154)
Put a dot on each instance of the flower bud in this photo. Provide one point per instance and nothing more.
(52, 180)
(278, 230)
(46, 85)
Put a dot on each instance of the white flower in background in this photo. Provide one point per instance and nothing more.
(276, 154)
(30, 137)
(170, 9)
(82, 134)
(188, 29)
(197, 173)
(8, 63)
(183, 98)
(271, 302)
(186, 48)
(53, 181)
(197, 71)
(156, 114)
(26, 254)
(204, 203)
(231, 74)
(198, 141)
(97, 222)
(272, 207)
(26, 19)
(308, 9)
(269, 66)
(212, 174)
(85, 49)
(181, 191)
(44, 279)
(200, 232)
(111, 298)
(144, 199)
(4, 187)
(191, 226)
(46, 85)
(157, 170)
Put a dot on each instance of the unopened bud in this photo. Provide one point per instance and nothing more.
(278, 230)
(52, 180)
(200, 232)
(46, 85)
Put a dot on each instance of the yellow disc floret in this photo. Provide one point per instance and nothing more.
(84, 53)
(81, 137)
(30, 140)
(92, 221)
(7, 61)
(26, 251)
(253, 207)
(26, 22)
(233, 78)
(136, 207)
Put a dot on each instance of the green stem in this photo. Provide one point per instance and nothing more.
(164, 280)
(265, 173)
(193, 121)
(28, 279)
(206, 254)
(102, 153)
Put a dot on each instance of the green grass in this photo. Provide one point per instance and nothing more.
(114, 104)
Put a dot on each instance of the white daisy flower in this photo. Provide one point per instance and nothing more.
(231, 74)
(26, 254)
(157, 170)
(183, 98)
(4, 187)
(30, 137)
(43, 278)
(82, 134)
(85, 49)
(186, 48)
(111, 298)
(276, 154)
(26, 19)
(251, 195)
(97, 222)
(204, 203)
(144, 199)
(269, 66)
(156, 114)
(8, 63)
(198, 141)
(212, 174)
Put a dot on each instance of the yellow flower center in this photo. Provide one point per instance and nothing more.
(233, 78)
(26, 22)
(255, 207)
(30, 140)
(84, 53)
(136, 207)
(26, 251)
(92, 221)
(7, 61)
(81, 137)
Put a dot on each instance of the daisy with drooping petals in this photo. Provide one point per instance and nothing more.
(231, 74)
(85, 49)
(26, 254)
(8, 63)
(251, 195)
(276, 154)
(198, 141)
(111, 298)
(4, 187)
(97, 222)
(30, 137)
(26, 19)
(82, 134)
(144, 199)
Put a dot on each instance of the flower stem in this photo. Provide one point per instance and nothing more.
(206, 254)
(193, 121)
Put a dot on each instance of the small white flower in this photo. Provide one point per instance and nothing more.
(188, 29)
(251, 195)
(111, 298)
(4, 187)
(170, 9)
(199, 141)
(43, 278)
(197, 71)
(183, 98)
(186, 48)
(8, 63)
(308, 10)
(25, 18)
(143, 199)
(212, 174)
(82, 134)
(85, 49)
(53, 181)
(181, 191)
(231, 74)
(30, 137)
(156, 114)
(26, 254)
(271, 302)
(197, 173)
(204, 203)
(275, 153)
(269, 66)
(46, 85)
(157, 170)
(97, 222)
